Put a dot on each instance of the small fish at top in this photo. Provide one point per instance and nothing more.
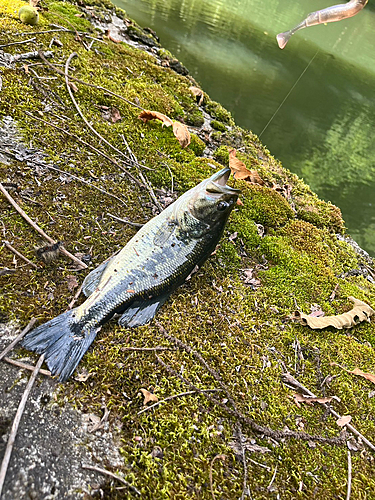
(139, 279)
(328, 15)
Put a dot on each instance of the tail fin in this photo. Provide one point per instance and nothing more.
(62, 341)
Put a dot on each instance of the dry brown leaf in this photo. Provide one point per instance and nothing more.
(72, 282)
(240, 171)
(181, 132)
(198, 93)
(115, 115)
(345, 420)
(300, 398)
(357, 371)
(34, 3)
(360, 312)
(147, 115)
(149, 396)
(109, 36)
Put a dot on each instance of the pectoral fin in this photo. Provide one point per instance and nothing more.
(141, 312)
(164, 233)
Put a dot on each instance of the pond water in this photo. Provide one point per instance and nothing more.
(324, 129)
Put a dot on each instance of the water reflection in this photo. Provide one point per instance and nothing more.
(322, 130)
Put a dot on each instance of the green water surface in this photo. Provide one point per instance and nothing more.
(324, 131)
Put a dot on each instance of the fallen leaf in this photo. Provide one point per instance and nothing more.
(357, 371)
(360, 312)
(149, 396)
(109, 36)
(83, 375)
(300, 398)
(115, 115)
(181, 132)
(147, 115)
(342, 421)
(240, 171)
(239, 202)
(198, 93)
(72, 282)
(34, 3)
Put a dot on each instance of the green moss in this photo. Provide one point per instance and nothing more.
(197, 145)
(241, 330)
(265, 206)
(217, 111)
(222, 155)
(218, 126)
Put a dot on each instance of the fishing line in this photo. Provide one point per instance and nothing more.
(288, 94)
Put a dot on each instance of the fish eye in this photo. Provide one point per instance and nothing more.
(222, 205)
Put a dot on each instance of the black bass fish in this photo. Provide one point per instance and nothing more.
(329, 15)
(139, 279)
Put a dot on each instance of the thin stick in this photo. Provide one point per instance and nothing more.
(88, 145)
(245, 489)
(288, 378)
(145, 182)
(18, 43)
(38, 229)
(16, 252)
(16, 422)
(135, 224)
(85, 182)
(25, 366)
(114, 476)
(175, 396)
(89, 84)
(75, 298)
(349, 490)
(277, 435)
(143, 178)
(221, 457)
(272, 479)
(29, 55)
(17, 339)
(79, 109)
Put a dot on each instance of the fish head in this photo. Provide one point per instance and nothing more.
(211, 201)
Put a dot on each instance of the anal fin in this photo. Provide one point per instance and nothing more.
(92, 280)
(141, 312)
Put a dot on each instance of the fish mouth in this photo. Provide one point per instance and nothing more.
(217, 183)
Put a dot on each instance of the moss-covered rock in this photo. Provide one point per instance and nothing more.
(280, 250)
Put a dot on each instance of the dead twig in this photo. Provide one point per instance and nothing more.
(287, 378)
(182, 394)
(98, 87)
(75, 298)
(245, 489)
(272, 480)
(18, 338)
(134, 224)
(16, 422)
(218, 457)
(25, 366)
(29, 55)
(16, 252)
(75, 137)
(143, 178)
(81, 264)
(114, 476)
(349, 488)
(259, 429)
(85, 182)
(18, 43)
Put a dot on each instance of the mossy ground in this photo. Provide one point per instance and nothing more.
(242, 333)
